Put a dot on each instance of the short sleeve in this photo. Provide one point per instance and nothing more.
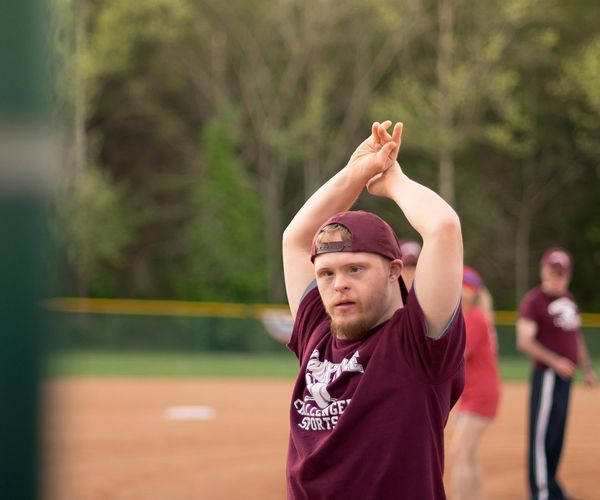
(311, 314)
(436, 359)
(527, 308)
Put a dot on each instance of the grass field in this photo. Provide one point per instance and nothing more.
(168, 364)
(185, 364)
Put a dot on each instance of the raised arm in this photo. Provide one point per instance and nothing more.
(438, 275)
(336, 195)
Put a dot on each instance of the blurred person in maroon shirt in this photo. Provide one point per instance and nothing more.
(548, 331)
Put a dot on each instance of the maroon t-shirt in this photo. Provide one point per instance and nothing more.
(367, 417)
(558, 322)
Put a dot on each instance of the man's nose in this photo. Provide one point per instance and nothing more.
(341, 282)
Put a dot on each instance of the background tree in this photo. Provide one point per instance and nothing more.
(95, 228)
(578, 87)
(91, 223)
(182, 95)
(223, 260)
(532, 141)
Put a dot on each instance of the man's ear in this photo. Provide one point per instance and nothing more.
(395, 269)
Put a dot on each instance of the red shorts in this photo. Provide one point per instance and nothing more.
(483, 402)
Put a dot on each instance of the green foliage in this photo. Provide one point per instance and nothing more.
(589, 70)
(303, 84)
(117, 29)
(93, 224)
(510, 132)
(580, 83)
(61, 59)
(226, 258)
(172, 364)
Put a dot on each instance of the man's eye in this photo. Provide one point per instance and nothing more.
(355, 269)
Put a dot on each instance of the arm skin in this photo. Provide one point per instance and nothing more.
(441, 258)
(374, 164)
(527, 344)
(336, 195)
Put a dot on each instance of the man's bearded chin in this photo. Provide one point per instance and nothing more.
(353, 331)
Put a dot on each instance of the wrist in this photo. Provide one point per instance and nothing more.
(355, 176)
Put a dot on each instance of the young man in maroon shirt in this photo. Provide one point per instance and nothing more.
(380, 367)
(548, 331)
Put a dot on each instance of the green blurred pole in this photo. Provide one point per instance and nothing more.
(23, 189)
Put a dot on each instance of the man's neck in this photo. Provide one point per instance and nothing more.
(553, 292)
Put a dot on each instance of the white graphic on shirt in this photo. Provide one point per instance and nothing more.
(564, 313)
(320, 373)
(325, 414)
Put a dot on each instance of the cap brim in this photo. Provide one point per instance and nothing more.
(559, 268)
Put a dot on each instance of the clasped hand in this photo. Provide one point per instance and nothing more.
(377, 155)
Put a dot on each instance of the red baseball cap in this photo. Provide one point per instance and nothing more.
(558, 258)
(369, 232)
(410, 252)
(472, 279)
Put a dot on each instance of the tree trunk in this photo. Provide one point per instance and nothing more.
(79, 104)
(271, 185)
(444, 68)
(446, 165)
(522, 238)
(218, 67)
(79, 151)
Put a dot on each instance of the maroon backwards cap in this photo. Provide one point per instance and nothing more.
(369, 232)
(558, 258)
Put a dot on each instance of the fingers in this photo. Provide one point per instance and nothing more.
(384, 145)
(378, 185)
(383, 133)
(387, 154)
(375, 134)
(397, 133)
(565, 368)
(397, 139)
(380, 134)
(373, 180)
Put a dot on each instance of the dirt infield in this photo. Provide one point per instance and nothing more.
(121, 439)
